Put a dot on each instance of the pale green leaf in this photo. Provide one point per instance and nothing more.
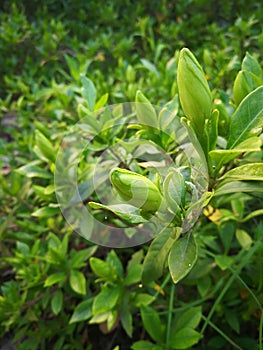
(77, 282)
(247, 119)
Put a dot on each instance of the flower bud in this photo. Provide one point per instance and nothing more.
(194, 93)
(136, 189)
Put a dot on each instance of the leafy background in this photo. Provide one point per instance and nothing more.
(54, 284)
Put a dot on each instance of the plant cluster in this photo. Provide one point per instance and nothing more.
(199, 282)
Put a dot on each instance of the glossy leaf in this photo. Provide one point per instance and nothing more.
(239, 186)
(251, 172)
(247, 120)
(155, 259)
(182, 257)
(125, 212)
(145, 111)
(77, 282)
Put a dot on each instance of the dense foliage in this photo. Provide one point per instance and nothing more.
(61, 60)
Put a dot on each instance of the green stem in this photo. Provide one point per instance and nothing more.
(230, 281)
(223, 335)
(170, 317)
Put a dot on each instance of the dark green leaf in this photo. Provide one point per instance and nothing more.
(57, 302)
(182, 257)
(184, 339)
(155, 259)
(82, 312)
(152, 323)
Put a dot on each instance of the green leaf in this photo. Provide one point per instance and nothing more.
(46, 212)
(252, 65)
(142, 299)
(146, 113)
(223, 156)
(115, 264)
(223, 261)
(145, 345)
(189, 318)
(106, 299)
(150, 66)
(33, 170)
(244, 239)
(77, 282)
(55, 278)
(57, 302)
(184, 339)
(82, 312)
(152, 323)
(126, 320)
(182, 257)
(89, 92)
(233, 319)
(100, 268)
(45, 146)
(211, 129)
(78, 258)
(155, 259)
(247, 119)
(126, 212)
(133, 275)
(174, 190)
(253, 171)
(239, 186)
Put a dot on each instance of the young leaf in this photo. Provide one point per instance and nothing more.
(182, 257)
(106, 300)
(77, 282)
(244, 239)
(247, 119)
(100, 268)
(125, 212)
(174, 190)
(89, 92)
(45, 147)
(145, 111)
(58, 277)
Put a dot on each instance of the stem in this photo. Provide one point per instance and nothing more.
(230, 281)
(230, 341)
(170, 316)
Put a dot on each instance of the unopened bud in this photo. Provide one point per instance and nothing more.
(136, 189)
(194, 92)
